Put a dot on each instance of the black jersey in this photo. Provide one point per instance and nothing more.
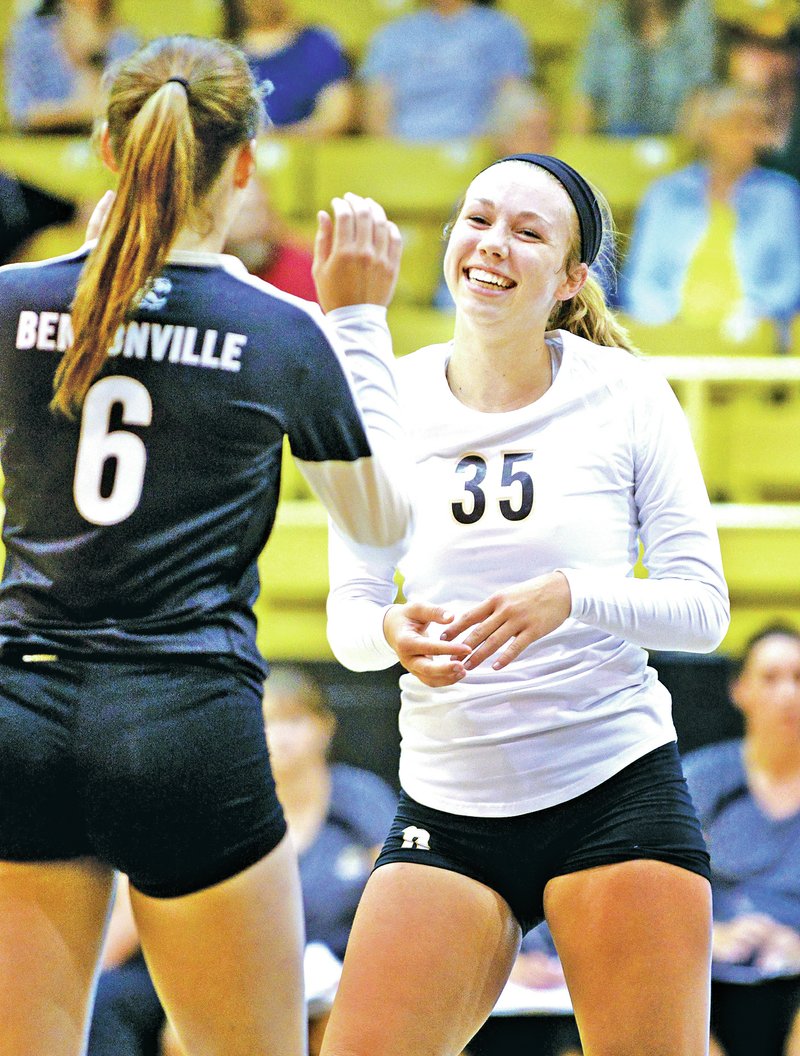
(135, 529)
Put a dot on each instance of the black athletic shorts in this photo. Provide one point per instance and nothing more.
(159, 769)
(644, 811)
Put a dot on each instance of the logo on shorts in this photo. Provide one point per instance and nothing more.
(419, 839)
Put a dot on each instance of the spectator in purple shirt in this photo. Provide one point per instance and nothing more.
(306, 66)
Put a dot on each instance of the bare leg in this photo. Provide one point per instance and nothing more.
(793, 1041)
(428, 955)
(227, 962)
(635, 943)
(52, 919)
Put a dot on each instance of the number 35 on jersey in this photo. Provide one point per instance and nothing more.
(512, 491)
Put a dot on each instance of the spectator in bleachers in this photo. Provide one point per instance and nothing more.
(257, 237)
(438, 73)
(641, 63)
(306, 65)
(747, 794)
(717, 243)
(337, 817)
(55, 58)
(772, 66)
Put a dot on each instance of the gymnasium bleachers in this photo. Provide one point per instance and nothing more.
(742, 399)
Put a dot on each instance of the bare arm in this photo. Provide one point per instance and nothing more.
(333, 113)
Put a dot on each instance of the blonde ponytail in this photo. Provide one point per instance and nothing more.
(587, 315)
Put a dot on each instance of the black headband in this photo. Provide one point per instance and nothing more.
(590, 220)
(179, 80)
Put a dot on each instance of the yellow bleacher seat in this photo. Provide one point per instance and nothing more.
(559, 25)
(54, 241)
(353, 21)
(414, 327)
(294, 485)
(7, 17)
(412, 180)
(154, 18)
(679, 339)
(769, 18)
(68, 166)
(294, 584)
(421, 264)
(761, 552)
(763, 446)
(622, 167)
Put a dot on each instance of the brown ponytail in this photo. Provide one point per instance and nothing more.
(170, 140)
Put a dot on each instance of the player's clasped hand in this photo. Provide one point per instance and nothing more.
(356, 254)
(405, 628)
(514, 618)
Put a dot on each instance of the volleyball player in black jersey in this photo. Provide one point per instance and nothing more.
(146, 385)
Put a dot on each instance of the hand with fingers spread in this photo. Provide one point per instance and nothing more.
(512, 618)
(356, 254)
(434, 662)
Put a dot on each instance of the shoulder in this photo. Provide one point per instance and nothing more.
(638, 387)
(255, 295)
(360, 797)
(608, 18)
(34, 278)
(690, 179)
(33, 26)
(320, 39)
(779, 184)
(124, 42)
(713, 763)
(489, 18)
(606, 361)
(354, 780)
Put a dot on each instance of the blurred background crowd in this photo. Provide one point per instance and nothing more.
(686, 115)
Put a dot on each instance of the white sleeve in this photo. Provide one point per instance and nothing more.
(362, 587)
(683, 604)
(368, 499)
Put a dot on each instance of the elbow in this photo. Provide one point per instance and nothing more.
(388, 526)
(714, 626)
(349, 654)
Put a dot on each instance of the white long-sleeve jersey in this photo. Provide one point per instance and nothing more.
(572, 482)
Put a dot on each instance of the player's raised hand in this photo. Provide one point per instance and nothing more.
(356, 254)
(434, 662)
(512, 619)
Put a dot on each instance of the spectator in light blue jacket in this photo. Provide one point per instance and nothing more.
(437, 73)
(717, 244)
(55, 57)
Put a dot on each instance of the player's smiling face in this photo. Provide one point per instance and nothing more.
(508, 246)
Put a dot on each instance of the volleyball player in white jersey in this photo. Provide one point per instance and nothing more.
(539, 768)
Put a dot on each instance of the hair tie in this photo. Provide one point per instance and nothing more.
(179, 80)
(590, 220)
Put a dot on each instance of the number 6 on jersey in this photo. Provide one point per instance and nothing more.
(98, 443)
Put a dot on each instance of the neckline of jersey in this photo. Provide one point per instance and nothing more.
(554, 339)
(194, 258)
